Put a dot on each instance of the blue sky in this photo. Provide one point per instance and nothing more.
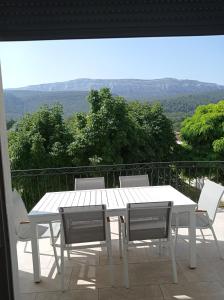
(199, 58)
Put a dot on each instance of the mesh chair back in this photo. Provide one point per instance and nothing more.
(83, 224)
(89, 183)
(134, 181)
(210, 197)
(147, 221)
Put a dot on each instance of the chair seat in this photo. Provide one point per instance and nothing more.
(43, 231)
(182, 220)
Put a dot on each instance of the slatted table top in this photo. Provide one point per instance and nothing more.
(116, 199)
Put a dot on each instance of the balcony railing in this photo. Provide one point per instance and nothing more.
(185, 176)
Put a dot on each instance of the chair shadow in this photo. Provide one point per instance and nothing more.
(83, 270)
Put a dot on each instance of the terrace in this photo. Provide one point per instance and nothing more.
(86, 274)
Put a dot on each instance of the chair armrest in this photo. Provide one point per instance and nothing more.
(25, 222)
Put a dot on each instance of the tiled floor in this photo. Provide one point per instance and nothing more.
(87, 273)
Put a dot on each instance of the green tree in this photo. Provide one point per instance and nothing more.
(203, 133)
(115, 131)
(152, 137)
(101, 134)
(40, 140)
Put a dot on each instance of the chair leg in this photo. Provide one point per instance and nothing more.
(109, 246)
(160, 247)
(54, 248)
(120, 241)
(68, 254)
(109, 252)
(173, 261)
(202, 235)
(62, 270)
(216, 241)
(125, 263)
(111, 264)
(176, 232)
(25, 247)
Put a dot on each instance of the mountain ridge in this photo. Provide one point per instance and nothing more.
(131, 88)
(179, 98)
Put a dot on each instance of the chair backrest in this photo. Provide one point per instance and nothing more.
(134, 180)
(89, 183)
(83, 224)
(210, 197)
(149, 220)
(19, 210)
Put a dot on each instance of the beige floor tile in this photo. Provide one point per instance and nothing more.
(84, 276)
(28, 296)
(85, 256)
(185, 291)
(50, 281)
(152, 292)
(88, 270)
(206, 248)
(135, 254)
(25, 261)
(69, 295)
(214, 297)
(218, 267)
(152, 273)
(205, 271)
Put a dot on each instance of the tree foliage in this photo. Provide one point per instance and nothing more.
(152, 136)
(40, 140)
(115, 131)
(203, 133)
(102, 134)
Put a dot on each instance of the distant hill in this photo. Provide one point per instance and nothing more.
(19, 102)
(178, 97)
(132, 88)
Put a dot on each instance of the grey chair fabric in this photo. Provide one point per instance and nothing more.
(134, 181)
(148, 223)
(131, 181)
(148, 220)
(89, 183)
(202, 220)
(83, 224)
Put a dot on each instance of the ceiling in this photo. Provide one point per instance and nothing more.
(65, 19)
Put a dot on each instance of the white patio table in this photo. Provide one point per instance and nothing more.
(116, 200)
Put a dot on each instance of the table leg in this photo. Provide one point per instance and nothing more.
(192, 239)
(35, 252)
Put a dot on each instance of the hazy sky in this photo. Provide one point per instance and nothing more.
(199, 58)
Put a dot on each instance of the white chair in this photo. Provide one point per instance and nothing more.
(134, 180)
(147, 221)
(131, 181)
(23, 227)
(89, 183)
(208, 203)
(84, 224)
